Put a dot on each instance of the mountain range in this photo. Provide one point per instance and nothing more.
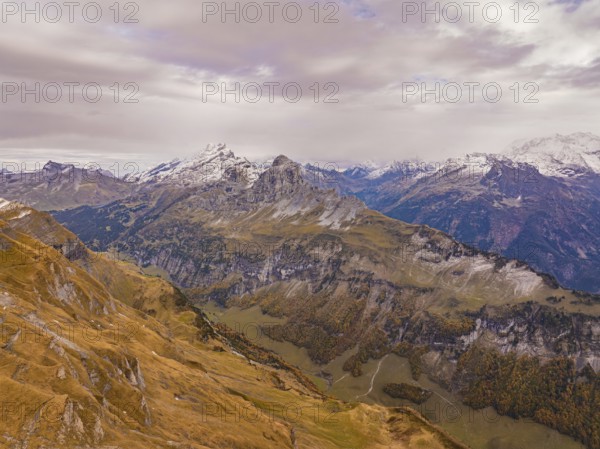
(536, 201)
(479, 270)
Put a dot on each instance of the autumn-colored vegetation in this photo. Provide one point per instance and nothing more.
(413, 393)
(374, 346)
(552, 393)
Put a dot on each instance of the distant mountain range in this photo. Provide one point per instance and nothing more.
(538, 202)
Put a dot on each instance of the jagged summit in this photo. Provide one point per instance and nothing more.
(282, 179)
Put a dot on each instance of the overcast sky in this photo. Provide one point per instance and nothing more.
(369, 59)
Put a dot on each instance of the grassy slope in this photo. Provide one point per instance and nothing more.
(92, 357)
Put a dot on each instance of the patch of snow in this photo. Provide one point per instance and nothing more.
(581, 253)
(378, 172)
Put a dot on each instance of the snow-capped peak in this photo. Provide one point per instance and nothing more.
(214, 163)
(375, 172)
(560, 156)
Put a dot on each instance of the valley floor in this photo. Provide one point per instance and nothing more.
(478, 429)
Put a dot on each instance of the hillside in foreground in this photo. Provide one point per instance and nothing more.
(96, 354)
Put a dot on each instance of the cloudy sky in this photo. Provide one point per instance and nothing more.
(162, 79)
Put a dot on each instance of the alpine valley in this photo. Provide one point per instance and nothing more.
(97, 354)
(475, 277)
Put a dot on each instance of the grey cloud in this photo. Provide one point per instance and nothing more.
(369, 54)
